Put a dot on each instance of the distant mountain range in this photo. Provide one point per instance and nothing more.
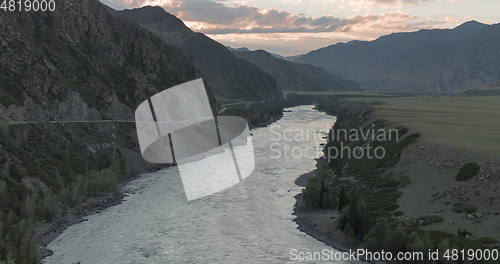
(295, 76)
(440, 60)
(235, 73)
(229, 76)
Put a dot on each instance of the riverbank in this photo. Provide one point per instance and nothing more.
(436, 196)
(410, 201)
(319, 224)
(46, 232)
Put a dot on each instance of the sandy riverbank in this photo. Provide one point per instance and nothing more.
(432, 190)
(320, 224)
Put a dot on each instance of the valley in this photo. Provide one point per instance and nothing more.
(75, 186)
(415, 191)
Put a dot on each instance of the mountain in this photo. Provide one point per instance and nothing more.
(231, 78)
(249, 50)
(470, 26)
(440, 60)
(295, 76)
(79, 63)
(92, 65)
(238, 49)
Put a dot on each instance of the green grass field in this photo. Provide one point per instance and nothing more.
(468, 123)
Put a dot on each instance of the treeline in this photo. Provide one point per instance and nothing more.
(366, 193)
(45, 170)
(258, 114)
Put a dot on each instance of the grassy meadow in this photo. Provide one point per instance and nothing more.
(470, 123)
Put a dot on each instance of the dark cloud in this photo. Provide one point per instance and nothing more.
(223, 18)
(210, 11)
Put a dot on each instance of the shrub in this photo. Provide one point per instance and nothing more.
(487, 240)
(102, 181)
(468, 171)
(429, 220)
(376, 235)
(312, 193)
(463, 233)
(420, 241)
(319, 193)
(396, 240)
(4, 130)
(463, 208)
(359, 217)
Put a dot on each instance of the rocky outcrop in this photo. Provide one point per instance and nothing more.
(82, 62)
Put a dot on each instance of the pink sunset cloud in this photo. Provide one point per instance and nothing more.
(233, 23)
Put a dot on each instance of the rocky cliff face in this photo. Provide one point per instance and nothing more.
(79, 63)
(82, 62)
(230, 78)
(425, 61)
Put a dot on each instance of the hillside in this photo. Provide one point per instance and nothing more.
(425, 61)
(79, 63)
(295, 76)
(230, 77)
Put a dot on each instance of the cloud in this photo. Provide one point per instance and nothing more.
(217, 17)
(390, 2)
(237, 23)
(404, 2)
(362, 25)
(368, 6)
(224, 17)
(382, 24)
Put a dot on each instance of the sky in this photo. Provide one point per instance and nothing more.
(292, 27)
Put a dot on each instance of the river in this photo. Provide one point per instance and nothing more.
(251, 222)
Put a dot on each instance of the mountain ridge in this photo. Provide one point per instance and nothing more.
(229, 76)
(295, 76)
(437, 60)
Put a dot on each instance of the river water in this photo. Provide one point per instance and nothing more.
(251, 222)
